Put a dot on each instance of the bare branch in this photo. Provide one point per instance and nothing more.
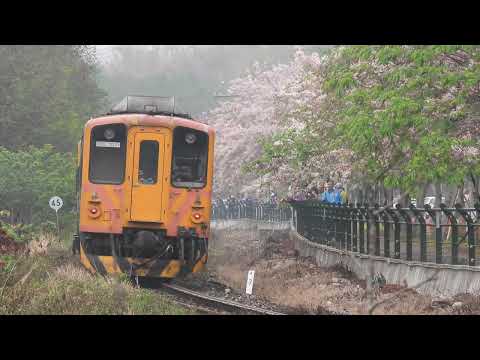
(372, 308)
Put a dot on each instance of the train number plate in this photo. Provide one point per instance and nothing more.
(108, 144)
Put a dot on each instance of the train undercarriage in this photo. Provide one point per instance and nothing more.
(138, 252)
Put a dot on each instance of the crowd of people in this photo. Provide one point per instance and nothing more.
(233, 201)
(328, 192)
(236, 206)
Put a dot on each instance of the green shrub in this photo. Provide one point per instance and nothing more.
(30, 178)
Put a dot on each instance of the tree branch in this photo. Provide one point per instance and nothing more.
(374, 306)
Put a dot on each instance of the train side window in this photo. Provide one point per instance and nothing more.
(190, 156)
(148, 162)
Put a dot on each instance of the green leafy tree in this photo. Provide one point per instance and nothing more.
(404, 111)
(46, 94)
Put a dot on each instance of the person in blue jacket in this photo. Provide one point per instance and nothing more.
(330, 195)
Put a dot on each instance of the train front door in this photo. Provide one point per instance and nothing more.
(146, 202)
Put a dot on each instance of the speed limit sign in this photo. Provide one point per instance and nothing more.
(56, 203)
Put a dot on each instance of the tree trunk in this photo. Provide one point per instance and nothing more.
(388, 200)
(438, 201)
(361, 192)
(421, 196)
(438, 194)
(450, 192)
(476, 194)
(381, 194)
(404, 199)
(461, 194)
(370, 191)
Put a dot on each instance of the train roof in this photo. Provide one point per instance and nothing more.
(148, 111)
(148, 120)
(151, 105)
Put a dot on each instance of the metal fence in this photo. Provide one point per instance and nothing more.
(267, 212)
(441, 235)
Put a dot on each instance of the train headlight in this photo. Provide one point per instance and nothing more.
(94, 212)
(190, 138)
(109, 134)
(196, 218)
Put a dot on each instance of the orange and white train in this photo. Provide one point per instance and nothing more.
(144, 188)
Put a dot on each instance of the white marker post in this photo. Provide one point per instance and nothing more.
(56, 203)
(251, 274)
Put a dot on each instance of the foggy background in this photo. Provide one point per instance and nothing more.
(194, 74)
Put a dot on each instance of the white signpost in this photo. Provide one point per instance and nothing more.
(56, 203)
(250, 277)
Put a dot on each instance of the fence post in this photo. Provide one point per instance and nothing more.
(353, 212)
(300, 220)
(408, 220)
(292, 218)
(344, 213)
(377, 230)
(386, 233)
(392, 214)
(369, 228)
(348, 225)
(454, 225)
(361, 230)
(333, 221)
(471, 234)
(438, 232)
(423, 232)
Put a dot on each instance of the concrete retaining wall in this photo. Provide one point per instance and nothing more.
(450, 280)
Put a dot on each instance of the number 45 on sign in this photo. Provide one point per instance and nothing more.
(56, 203)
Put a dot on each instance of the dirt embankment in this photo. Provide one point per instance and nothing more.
(286, 279)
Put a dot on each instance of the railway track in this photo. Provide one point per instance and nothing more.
(217, 303)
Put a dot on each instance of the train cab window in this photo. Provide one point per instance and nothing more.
(189, 162)
(107, 154)
(148, 163)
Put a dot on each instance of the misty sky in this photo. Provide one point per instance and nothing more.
(191, 73)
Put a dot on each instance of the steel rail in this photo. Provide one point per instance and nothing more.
(224, 303)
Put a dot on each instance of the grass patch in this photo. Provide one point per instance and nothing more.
(55, 283)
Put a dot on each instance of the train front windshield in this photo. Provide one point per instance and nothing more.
(190, 156)
(107, 154)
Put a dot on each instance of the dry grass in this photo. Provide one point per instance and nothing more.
(51, 281)
(41, 244)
